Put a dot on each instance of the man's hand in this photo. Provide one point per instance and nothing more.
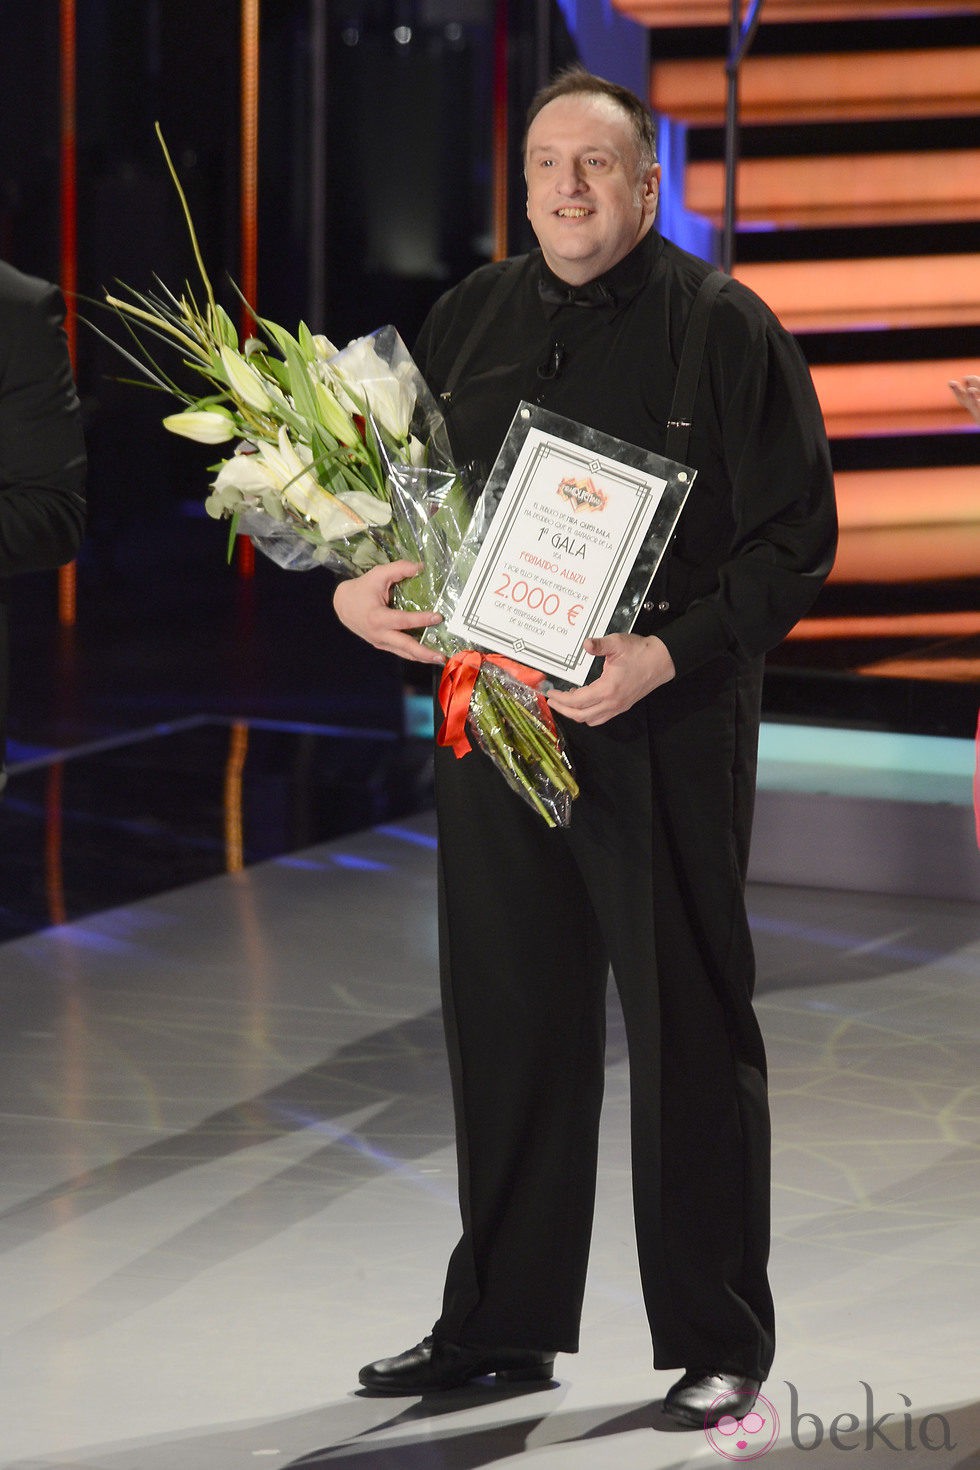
(361, 604)
(633, 666)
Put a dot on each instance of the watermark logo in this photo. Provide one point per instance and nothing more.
(755, 1432)
(746, 1437)
(894, 1430)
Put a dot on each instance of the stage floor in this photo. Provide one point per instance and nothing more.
(227, 1181)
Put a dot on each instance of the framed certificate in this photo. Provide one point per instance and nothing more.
(564, 543)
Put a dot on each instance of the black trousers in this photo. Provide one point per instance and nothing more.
(649, 878)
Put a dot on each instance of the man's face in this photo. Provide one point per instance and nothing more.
(587, 199)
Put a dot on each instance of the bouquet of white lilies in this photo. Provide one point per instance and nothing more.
(342, 460)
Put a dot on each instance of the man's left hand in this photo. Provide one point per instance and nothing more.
(633, 667)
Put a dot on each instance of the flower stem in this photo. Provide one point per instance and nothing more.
(187, 215)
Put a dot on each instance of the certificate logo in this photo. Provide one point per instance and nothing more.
(582, 494)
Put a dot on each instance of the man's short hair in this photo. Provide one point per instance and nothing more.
(575, 81)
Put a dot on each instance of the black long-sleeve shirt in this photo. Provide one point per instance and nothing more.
(757, 537)
(42, 446)
(42, 449)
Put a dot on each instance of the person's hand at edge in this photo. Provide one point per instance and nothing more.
(362, 605)
(967, 395)
(633, 666)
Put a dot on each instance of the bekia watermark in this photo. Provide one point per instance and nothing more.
(748, 1436)
(756, 1431)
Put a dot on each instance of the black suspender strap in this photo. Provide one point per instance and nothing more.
(689, 368)
(502, 288)
(688, 371)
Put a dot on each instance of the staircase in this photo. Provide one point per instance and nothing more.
(858, 221)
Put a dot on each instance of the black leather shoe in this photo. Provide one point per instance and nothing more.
(435, 1365)
(701, 1397)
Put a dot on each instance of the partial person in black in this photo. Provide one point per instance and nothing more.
(42, 447)
(649, 877)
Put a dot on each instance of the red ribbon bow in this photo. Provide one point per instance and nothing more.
(459, 675)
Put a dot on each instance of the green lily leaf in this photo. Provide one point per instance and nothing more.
(300, 385)
(306, 342)
(227, 331)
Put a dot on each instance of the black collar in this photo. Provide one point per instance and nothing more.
(613, 288)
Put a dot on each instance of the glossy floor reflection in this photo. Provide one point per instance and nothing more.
(130, 815)
(228, 1180)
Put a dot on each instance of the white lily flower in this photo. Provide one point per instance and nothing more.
(336, 516)
(301, 490)
(206, 425)
(340, 516)
(388, 392)
(376, 512)
(299, 487)
(245, 381)
(323, 347)
(392, 400)
(245, 473)
(273, 506)
(224, 502)
(241, 482)
(274, 465)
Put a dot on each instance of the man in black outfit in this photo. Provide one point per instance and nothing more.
(42, 448)
(649, 877)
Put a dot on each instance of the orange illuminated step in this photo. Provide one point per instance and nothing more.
(891, 397)
(857, 189)
(909, 554)
(948, 669)
(899, 291)
(944, 495)
(902, 625)
(660, 13)
(835, 87)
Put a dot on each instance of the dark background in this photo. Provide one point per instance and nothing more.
(162, 621)
(408, 129)
(176, 663)
(164, 624)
